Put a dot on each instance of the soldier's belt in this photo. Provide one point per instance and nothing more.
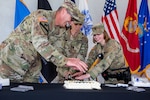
(124, 74)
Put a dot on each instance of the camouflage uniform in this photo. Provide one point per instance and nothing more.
(74, 47)
(20, 53)
(113, 58)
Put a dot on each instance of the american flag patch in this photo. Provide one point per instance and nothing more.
(42, 19)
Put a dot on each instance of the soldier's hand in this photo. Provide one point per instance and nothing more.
(77, 64)
(76, 74)
(82, 77)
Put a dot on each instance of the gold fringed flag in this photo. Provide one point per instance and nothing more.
(144, 37)
(129, 37)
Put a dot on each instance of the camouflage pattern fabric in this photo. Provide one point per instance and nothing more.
(98, 29)
(20, 52)
(113, 59)
(74, 47)
(72, 10)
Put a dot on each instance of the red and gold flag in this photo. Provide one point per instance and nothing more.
(129, 37)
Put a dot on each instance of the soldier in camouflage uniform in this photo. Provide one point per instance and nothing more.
(75, 44)
(108, 58)
(20, 53)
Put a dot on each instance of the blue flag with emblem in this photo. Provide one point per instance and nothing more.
(21, 11)
(87, 26)
(144, 35)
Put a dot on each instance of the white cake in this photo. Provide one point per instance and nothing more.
(74, 84)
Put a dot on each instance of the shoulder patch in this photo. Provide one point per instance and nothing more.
(44, 26)
(42, 19)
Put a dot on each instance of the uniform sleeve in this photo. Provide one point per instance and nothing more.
(83, 50)
(109, 55)
(91, 56)
(42, 45)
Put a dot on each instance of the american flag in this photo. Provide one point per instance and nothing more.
(110, 19)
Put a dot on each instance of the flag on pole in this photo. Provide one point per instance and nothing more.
(21, 11)
(144, 35)
(129, 37)
(44, 4)
(110, 19)
(73, 1)
(87, 26)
